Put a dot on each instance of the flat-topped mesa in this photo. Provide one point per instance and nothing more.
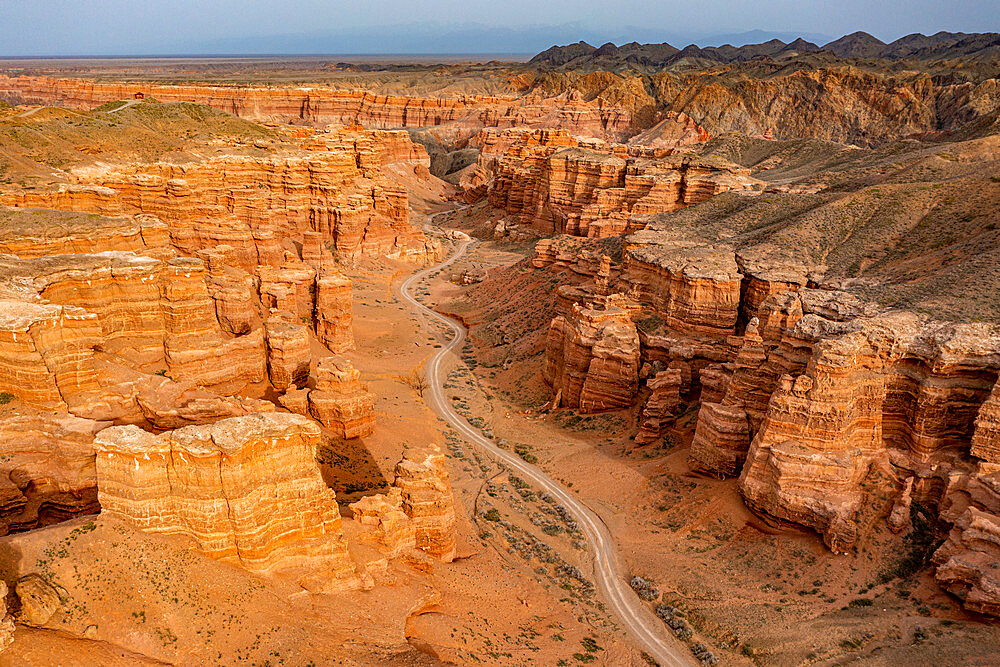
(247, 490)
(694, 288)
(592, 356)
(339, 401)
(767, 272)
(423, 480)
(463, 115)
(873, 389)
(338, 191)
(558, 184)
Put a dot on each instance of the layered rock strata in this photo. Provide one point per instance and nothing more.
(423, 482)
(872, 389)
(392, 529)
(463, 115)
(288, 354)
(339, 401)
(76, 313)
(557, 184)
(663, 405)
(47, 469)
(250, 203)
(247, 490)
(592, 357)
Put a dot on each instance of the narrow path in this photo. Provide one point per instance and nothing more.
(25, 114)
(130, 103)
(649, 632)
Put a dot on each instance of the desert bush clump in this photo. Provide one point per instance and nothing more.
(704, 656)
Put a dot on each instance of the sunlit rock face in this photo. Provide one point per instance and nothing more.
(246, 490)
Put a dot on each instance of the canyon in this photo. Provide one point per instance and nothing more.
(673, 355)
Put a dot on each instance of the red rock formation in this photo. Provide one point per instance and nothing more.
(6, 620)
(464, 115)
(334, 311)
(695, 289)
(288, 353)
(46, 469)
(85, 331)
(423, 481)
(247, 490)
(663, 405)
(31, 233)
(592, 357)
(986, 437)
(873, 388)
(339, 401)
(967, 562)
(556, 184)
(675, 130)
(393, 530)
(246, 202)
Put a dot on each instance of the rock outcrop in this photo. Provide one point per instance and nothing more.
(75, 314)
(339, 401)
(334, 311)
(968, 563)
(558, 184)
(39, 600)
(288, 353)
(247, 490)
(337, 188)
(46, 469)
(663, 405)
(423, 481)
(6, 620)
(865, 390)
(592, 357)
(392, 529)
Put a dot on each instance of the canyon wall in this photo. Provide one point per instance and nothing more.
(804, 393)
(463, 115)
(556, 183)
(335, 187)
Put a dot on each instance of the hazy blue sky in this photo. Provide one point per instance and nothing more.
(64, 27)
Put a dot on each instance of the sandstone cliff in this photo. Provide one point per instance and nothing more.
(246, 490)
(339, 401)
(558, 184)
(250, 203)
(592, 357)
(459, 115)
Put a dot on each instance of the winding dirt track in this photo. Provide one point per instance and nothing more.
(647, 630)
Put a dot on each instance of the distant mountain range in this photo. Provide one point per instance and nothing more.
(940, 46)
(463, 38)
